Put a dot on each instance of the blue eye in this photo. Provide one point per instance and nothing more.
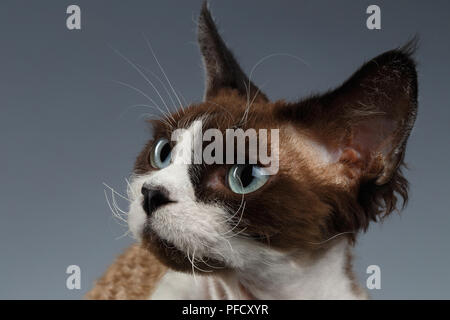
(244, 179)
(161, 154)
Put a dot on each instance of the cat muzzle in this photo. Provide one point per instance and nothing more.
(154, 198)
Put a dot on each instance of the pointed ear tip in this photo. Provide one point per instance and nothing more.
(410, 47)
(401, 59)
(205, 21)
(204, 11)
(407, 52)
(402, 55)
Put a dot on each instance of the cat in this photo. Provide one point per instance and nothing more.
(222, 231)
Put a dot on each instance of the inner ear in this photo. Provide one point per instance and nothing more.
(363, 145)
(367, 120)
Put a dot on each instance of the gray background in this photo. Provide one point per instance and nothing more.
(66, 127)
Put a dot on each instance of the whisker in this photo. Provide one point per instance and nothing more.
(184, 99)
(153, 116)
(130, 188)
(240, 205)
(256, 65)
(331, 238)
(230, 116)
(237, 233)
(160, 81)
(193, 259)
(163, 72)
(213, 267)
(192, 264)
(116, 205)
(269, 56)
(114, 212)
(229, 244)
(145, 78)
(124, 235)
(236, 212)
(244, 118)
(149, 115)
(120, 195)
(147, 97)
(212, 249)
(237, 224)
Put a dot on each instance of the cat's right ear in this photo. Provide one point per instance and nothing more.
(221, 68)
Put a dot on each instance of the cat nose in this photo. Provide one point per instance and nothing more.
(154, 198)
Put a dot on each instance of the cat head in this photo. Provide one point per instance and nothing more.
(338, 164)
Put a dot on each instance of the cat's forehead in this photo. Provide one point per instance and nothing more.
(225, 112)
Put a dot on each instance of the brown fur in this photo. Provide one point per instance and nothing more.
(133, 275)
(365, 123)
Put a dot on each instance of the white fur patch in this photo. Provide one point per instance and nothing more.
(268, 274)
(180, 286)
(273, 275)
(311, 148)
(193, 227)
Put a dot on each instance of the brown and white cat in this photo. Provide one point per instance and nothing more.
(291, 236)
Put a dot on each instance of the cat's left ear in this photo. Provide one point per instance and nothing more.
(365, 123)
(222, 69)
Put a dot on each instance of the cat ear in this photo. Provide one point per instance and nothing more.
(222, 69)
(365, 123)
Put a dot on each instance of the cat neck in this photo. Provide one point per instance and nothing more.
(272, 275)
